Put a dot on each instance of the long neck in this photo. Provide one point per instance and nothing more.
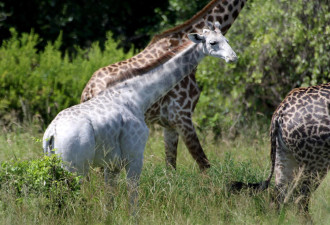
(146, 89)
(223, 11)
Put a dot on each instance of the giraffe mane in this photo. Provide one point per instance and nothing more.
(127, 74)
(184, 25)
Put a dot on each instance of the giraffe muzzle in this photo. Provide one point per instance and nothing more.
(232, 58)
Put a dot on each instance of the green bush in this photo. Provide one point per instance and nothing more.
(39, 177)
(37, 85)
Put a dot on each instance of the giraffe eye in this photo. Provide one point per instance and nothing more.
(213, 43)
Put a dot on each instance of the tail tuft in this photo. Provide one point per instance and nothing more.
(261, 186)
(51, 144)
(48, 144)
(238, 186)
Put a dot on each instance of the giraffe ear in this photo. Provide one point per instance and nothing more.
(196, 38)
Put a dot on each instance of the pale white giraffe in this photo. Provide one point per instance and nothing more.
(109, 130)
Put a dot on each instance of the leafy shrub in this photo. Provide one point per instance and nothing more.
(37, 85)
(39, 177)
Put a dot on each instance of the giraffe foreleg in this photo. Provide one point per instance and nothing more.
(133, 141)
(171, 138)
(133, 170)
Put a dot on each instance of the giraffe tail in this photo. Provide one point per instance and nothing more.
(263, 185)
(48, 141)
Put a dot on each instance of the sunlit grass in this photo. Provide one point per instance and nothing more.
(184, 196)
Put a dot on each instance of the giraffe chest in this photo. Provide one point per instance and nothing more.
(182, 99)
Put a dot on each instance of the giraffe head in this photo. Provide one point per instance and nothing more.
(214, 43)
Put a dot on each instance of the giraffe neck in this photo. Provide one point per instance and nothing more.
(146, 89)
(223, 11)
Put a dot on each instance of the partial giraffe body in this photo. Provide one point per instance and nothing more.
(300, 144)
(109, 130)
(173, 111)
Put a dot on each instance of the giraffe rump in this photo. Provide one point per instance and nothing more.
(300, 145)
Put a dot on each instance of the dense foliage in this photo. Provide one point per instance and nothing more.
(35, 86)
(82, 22)
(43, 176)
(179, 11)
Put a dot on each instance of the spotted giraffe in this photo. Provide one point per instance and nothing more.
(300, 144)
(173, 111)
(110, 130)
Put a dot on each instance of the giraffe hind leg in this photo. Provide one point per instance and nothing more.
(309, 183)
(190, 138)
(286, 168)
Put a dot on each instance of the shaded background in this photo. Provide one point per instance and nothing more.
(85, 21)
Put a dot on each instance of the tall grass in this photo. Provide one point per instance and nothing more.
(184, 196)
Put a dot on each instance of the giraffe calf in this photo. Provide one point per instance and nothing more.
(110, 130)
(300, 145)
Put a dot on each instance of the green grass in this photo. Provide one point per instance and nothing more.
(184, 196)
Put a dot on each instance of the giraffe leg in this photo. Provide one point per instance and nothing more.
(111, 176)
(190, 138)
(75, 151)
(133, 142)
(309, 183)
(133, 170)
(111, 179)
(181, 123)
(285, 168)
(178, 116)
(171, 138)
